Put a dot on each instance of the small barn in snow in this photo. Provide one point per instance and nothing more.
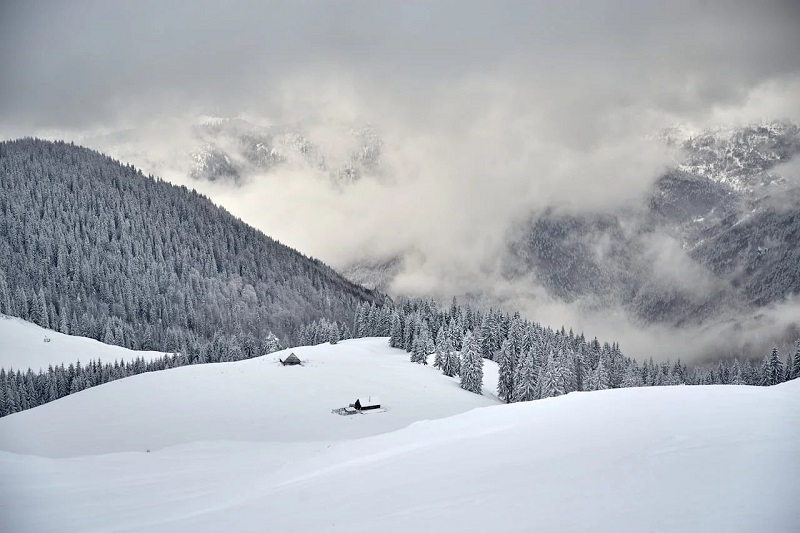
(291, 360)
(367, 403)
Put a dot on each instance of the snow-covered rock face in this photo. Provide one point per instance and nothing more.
(234, 150)
(214, 164)
(740, 157)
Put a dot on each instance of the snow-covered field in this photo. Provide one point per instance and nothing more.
(257, 400)
(253, 446)
(23, 346)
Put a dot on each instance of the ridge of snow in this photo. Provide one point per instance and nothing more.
(23, 346)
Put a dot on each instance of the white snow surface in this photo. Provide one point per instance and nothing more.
(255, 400)
(23, 346)
(252, 446)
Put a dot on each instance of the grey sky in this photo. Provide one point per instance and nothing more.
(80, 63)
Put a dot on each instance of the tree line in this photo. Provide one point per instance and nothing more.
(534, 361)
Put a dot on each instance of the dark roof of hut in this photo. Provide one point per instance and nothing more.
(292, 360)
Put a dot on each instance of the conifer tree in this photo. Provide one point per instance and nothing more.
(408, 333)
(345, 333)
(333, 334)
(418, 350)
(551, 382)
(525, 378)
(471, 364)
(451, 363)
(736, 377)
(486, 340)
(396, 331)
(601, 378)
(772, 368)
(439, 349)
(505, 382)
(5, 297)
(63, 325)
(515, 335)
(43, 310)
(632, 376)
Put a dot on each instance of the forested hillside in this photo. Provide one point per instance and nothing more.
(91, 247)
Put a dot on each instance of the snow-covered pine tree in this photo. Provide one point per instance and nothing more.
(505, 363)
(579, 363)
(418, 350)
(796, 362)
(679, 373)
(108, 335)
(632, 376)
(736, 377)
(427, 341)
(396, 331)
(344, 333)
(550, 380)
(567, 363)
(63, 323)
(333, 333)
(457, 331)
(515, 335)
(772, 368)
(5, 297)
(486, 340)
(439, 348)
(371, 321)
(525, 384)
(601, 378)
(451, 363)
(359, 320)
(471, 364)
(409, 325)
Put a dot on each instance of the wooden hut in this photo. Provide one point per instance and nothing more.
(367, 403)
(291, 360)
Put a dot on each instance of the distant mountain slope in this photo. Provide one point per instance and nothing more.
(235, 149)
(93, 247)
(717, 235)
(759, 255)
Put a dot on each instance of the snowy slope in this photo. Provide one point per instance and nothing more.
(23, 346)
(714, 458)
(253, 400)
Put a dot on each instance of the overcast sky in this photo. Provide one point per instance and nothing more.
(80, 63)
(489, 110)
